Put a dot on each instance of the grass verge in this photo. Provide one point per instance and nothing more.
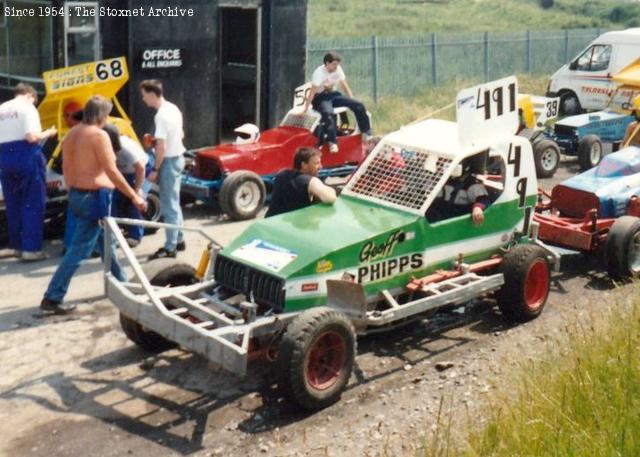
(363, 18)
(583, 401)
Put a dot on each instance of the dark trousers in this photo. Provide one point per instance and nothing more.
(123, 207)
(22, 174)
(325, 102)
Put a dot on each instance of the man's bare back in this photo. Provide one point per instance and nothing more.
(87, 158)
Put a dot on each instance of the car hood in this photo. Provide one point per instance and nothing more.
(289, 243)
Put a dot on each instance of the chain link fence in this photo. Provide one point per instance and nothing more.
(380, 66)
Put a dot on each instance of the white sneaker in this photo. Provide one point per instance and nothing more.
(32, 256)
(333, 148)
(7, 253)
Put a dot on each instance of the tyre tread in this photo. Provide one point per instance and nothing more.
(514, 267)
(292, 354)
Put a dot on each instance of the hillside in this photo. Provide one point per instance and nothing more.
(353, 18)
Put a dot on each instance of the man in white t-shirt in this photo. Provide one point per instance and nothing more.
(23, 171)
(169, 163)
(131, 160)
(324, 97)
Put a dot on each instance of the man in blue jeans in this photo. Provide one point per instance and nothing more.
(324, 97)
(167, 170)
(89, 168)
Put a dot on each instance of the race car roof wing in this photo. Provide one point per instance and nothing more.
(487, 113)
(629, 76)
(78, 84)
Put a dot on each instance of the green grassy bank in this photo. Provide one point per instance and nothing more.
(357, 18)
(582, 401)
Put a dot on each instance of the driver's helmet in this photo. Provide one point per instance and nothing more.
(70, 113)
(247, 134)
(475, 165)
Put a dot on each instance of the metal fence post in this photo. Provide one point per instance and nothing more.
(529, 51)
(434, 60)
(374, 48)
(486, 56)
(566, 45)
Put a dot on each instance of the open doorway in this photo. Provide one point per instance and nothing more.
(240, 69)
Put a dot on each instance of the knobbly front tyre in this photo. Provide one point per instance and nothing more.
(316, 358)
(527, 279)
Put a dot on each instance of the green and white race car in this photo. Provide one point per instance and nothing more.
(298, 287)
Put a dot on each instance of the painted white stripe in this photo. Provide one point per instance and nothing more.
(431, 256)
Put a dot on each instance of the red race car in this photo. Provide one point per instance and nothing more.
(238, 177)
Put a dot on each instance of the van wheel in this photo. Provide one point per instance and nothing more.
(526, 283)
(622, 248)
(242, 195)
(546, 155)
(569, 104)
(589, 152)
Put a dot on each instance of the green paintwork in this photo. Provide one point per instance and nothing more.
(337, 233)
(318, 230)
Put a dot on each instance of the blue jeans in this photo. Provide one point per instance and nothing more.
(169, 179)
(87, 236)
(123, 207)
(325, 102)
(22, 174)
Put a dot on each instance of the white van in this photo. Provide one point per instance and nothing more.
(585, 83)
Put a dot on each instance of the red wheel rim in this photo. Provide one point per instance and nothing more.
(326, 360)
(537, 284)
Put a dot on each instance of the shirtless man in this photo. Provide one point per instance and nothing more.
(89, 168)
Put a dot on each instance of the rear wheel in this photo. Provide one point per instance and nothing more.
(316, 358)
(152, 212)
(546, 155)
(589, 152)
(161, 272)
(242, 195)
(622, 248)
(526, 283)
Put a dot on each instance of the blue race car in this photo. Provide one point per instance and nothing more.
(608, 188)
(597, 212)
(583, 134)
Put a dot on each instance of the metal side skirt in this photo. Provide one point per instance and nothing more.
(449, 292)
